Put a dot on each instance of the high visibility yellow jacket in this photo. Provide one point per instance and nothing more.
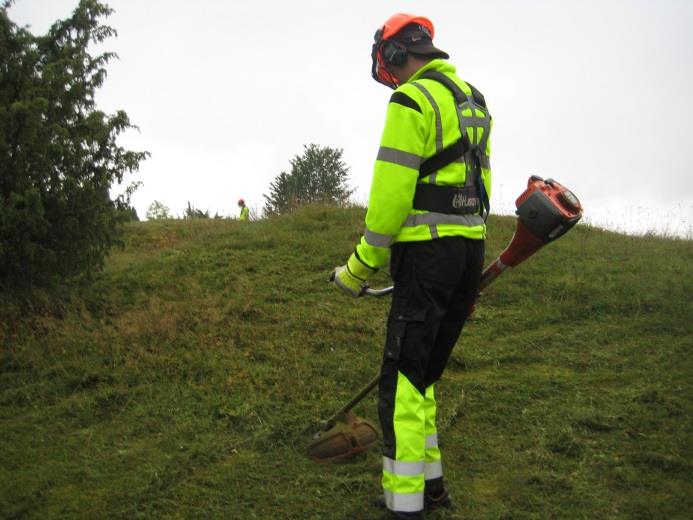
(245, 213)
(421, 121)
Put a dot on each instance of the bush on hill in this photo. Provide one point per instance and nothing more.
(318, 176)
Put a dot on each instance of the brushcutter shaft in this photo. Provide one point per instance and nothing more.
(491, 273)
(487, 277)
(348, 406)
(373, 383)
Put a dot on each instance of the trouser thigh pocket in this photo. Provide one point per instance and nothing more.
(399, 332)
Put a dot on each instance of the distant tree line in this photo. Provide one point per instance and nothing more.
(159, 211)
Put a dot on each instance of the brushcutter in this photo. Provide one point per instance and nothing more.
(546, 210)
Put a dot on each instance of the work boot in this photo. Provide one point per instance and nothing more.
(438, 500)
(436, 495)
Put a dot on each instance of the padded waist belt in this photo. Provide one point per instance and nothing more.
(447, 199)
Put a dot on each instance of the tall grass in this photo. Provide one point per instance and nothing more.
(188, 381)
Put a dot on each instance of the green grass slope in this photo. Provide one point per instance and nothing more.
(188, 381)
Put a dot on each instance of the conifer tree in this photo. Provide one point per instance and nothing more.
(58, 153)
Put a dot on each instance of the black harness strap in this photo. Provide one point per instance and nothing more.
(448, 199)
(460, 148)
(446, 156)
(459, 94)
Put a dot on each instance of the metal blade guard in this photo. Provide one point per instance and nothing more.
(345, 438)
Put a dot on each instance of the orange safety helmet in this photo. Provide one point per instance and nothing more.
(401, 34)
(398, 21)
(241, 202)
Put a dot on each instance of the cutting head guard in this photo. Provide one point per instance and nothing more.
(402, 34)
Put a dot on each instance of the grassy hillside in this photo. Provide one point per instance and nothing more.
(188, 381)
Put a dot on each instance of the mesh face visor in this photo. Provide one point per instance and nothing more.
(378, 68)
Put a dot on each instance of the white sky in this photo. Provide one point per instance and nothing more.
(597, 94)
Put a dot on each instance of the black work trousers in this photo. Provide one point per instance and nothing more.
(435, 284)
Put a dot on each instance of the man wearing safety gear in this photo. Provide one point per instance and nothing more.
(427, 212)
(245, 212)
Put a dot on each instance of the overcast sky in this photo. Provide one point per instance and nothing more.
(597, 94)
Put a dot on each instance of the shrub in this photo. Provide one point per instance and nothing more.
(319, 175)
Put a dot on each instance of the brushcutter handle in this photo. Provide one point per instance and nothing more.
(365, 289)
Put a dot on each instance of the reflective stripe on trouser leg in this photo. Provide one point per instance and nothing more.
(433, 468)
(403, 477)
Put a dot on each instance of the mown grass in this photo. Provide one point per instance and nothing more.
(189, 379)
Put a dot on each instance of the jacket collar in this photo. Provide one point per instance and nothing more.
(435, 64)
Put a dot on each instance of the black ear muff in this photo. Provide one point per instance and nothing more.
(394, 53)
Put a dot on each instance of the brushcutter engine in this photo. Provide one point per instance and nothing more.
(545, 211)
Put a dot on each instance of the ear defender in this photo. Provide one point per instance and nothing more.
(394, 53)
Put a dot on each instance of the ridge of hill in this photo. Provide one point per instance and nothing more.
(187, 381)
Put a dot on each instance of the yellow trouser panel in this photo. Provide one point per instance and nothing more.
(433, 467)
(403, 478)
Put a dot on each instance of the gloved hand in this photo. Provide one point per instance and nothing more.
(352, 277)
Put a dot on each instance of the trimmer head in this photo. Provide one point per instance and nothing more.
(343, 439)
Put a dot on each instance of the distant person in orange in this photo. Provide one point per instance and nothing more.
(245, 212)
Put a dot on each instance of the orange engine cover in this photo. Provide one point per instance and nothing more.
(546, 210)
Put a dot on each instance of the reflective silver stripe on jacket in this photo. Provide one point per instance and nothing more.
(400, 157)
(428, 219)
(403, 468)
(433, 470)
(439, 124)
(432, 441)
(404, 502)
(439, 142)
(377, 239)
